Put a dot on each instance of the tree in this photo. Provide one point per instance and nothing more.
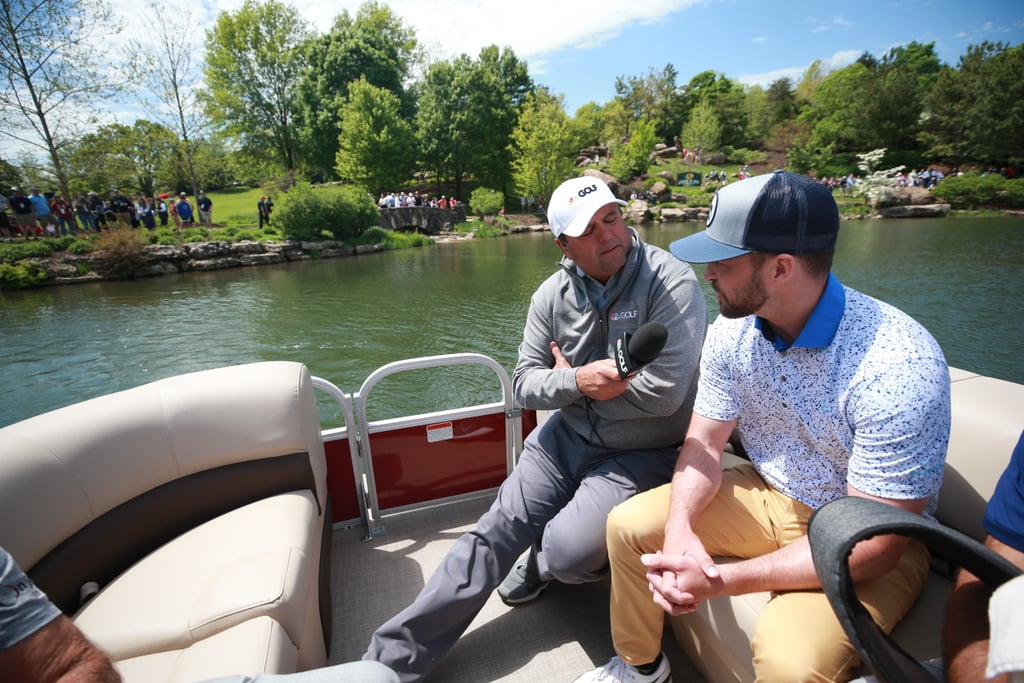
(484, 201)
(164, 62)
(975, 113)
(376, 146)
(123, 157)
(253, 61)
(702, 133)
(726, 99)
(374, 45)
(589, 123)
(49, 58)
(468, 110)
(654, 98)
(544, 146)
(499, 83)
(632, 158)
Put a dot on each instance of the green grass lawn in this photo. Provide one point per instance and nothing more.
(236, 206)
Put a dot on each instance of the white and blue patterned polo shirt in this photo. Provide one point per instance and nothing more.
(861, 397)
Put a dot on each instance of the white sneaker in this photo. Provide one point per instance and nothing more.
(617, 671)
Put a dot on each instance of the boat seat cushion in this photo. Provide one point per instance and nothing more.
(260, 559)
(256, 645)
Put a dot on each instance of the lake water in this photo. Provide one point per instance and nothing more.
(962, 278)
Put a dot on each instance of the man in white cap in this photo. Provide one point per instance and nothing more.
(833, 393)
(608, 438)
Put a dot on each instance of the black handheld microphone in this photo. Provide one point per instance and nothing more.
(632, 351)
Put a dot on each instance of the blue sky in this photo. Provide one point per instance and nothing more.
(578, 48)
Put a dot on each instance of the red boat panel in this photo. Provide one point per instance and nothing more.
(411, 468)
(340, 481)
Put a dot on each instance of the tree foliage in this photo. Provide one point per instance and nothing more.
(484, 201)
(339, 212)
(51, 73)
(544, 143)
(253, 61)
(468, 110)
(165, 60)
(975, 112)
(128, 158)
(702, 132)
(376, 146)
(374, 45)
(633, 157)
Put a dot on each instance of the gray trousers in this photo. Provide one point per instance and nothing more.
(556, 499)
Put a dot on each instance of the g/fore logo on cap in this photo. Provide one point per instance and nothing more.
(713, 210)
(587, 190)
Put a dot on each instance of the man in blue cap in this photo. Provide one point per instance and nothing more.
(832, 393)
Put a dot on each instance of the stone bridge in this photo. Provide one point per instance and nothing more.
(424, 218)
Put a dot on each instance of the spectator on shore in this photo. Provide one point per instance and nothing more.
(148, 215)
(24, 214)
(99, 211)
(121, 208)
(5, 222)
(65, 216)
(80, 205)
(205, 205)
(41, 208)
(161, 211)
(264, 212)
(184, 210)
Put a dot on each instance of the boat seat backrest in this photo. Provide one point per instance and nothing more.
(987, 419)
(90, 489)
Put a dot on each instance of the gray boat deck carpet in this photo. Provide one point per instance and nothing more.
(554, 639)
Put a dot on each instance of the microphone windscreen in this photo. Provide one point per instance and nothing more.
(647, 342)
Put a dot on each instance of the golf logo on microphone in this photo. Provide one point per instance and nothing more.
(633, 351)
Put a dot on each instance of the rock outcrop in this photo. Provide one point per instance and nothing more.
(159, 259)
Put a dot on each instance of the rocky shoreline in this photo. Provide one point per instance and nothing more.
(157, 259)
(66, 268)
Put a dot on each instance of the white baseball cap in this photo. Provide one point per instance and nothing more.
(575, 202)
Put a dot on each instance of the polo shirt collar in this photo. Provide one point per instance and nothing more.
(821, 327)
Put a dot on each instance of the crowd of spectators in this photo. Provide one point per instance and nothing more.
(38, 214)
(392, 200)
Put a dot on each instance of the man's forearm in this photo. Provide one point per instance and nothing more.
(965, 636)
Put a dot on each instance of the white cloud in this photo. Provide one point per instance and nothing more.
(794, 73)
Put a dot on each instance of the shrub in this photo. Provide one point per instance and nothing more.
(388, 239)
(242, 235)
(80, 246)
(974, 192)
(20, 275)
(342, 212)
(119, 253)
(195, 234)
(486, 202)
(21, 250)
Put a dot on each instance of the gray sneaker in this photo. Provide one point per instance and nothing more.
(523, 583)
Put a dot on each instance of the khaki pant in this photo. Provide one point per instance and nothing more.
(798, 637)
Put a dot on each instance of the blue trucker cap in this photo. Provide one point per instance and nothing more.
(777, 213)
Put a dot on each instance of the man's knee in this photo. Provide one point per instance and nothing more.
(799, 638)
(569, 557)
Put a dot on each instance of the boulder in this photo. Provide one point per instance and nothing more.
(638, 212)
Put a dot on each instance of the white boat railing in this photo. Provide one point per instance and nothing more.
(359, 428)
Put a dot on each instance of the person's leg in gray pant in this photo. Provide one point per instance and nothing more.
(544, 484)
